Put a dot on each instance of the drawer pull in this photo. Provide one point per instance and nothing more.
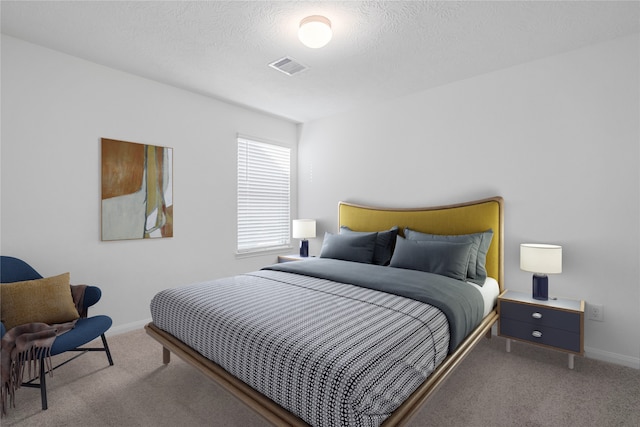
(537, 315)
(537, 334)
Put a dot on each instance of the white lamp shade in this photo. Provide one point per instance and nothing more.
(541, 258)
(315, 31)
(304, 228)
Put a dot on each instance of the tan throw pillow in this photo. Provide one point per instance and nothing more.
(46, 300)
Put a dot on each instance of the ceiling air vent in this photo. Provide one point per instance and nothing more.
(289, 66)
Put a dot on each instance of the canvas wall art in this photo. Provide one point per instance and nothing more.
(137, 190)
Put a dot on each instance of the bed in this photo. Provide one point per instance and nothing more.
(306, 343)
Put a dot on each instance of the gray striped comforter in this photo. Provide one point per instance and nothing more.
(334, 354)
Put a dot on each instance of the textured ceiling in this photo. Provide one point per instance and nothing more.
(379, 51)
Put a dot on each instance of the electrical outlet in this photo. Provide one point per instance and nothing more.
(595, 312)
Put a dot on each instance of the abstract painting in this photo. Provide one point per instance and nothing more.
(137, 190)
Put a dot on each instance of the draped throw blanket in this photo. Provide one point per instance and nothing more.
(25, 347)
(460, 302)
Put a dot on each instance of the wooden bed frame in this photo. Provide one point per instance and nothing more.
(460, 218)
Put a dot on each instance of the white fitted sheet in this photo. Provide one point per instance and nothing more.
(489, 292)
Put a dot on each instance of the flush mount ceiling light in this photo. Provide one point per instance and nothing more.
(315, 31)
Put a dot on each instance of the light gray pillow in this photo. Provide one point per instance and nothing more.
(358, 247)
(477, 271)
(438, 257)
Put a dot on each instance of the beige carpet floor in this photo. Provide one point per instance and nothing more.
(528, 387)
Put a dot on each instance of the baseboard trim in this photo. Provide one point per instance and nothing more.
(607, 356)
(128, 327)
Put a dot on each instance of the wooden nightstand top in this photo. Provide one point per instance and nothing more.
(292, 257)
(557, 303)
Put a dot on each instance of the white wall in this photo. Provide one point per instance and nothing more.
(557, 138)
(55, 109)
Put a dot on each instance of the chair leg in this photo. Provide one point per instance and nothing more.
(43, 384)
(106, 349)
(43, 370)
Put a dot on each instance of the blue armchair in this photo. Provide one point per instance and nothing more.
(86, 328)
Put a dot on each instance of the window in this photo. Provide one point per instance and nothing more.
(263, 195)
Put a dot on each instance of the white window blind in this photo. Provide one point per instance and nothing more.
(263, 195)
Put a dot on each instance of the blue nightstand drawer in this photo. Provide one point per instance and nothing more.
(540, 334)
(554, 323)
(541, 316)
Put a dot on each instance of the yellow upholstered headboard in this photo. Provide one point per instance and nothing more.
(462, 218)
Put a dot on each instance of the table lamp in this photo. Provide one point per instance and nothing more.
(541, 259)
(304, 229)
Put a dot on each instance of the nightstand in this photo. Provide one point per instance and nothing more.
(294, 257)
(555, 323)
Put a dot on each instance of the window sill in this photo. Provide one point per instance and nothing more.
(261, 252)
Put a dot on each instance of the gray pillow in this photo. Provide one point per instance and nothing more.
(477, 272)
(385, 242)
(438, 257)
(349, 247)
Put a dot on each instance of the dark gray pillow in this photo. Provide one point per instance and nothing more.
(444, 258)
(477, 272)
(349, 247)
(385, 242)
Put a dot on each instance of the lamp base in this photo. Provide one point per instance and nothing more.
(540, 287)
(304, 248)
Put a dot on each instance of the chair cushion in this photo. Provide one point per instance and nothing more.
(85, 330)
(45, 300)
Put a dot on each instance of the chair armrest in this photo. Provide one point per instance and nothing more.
(91, 296)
